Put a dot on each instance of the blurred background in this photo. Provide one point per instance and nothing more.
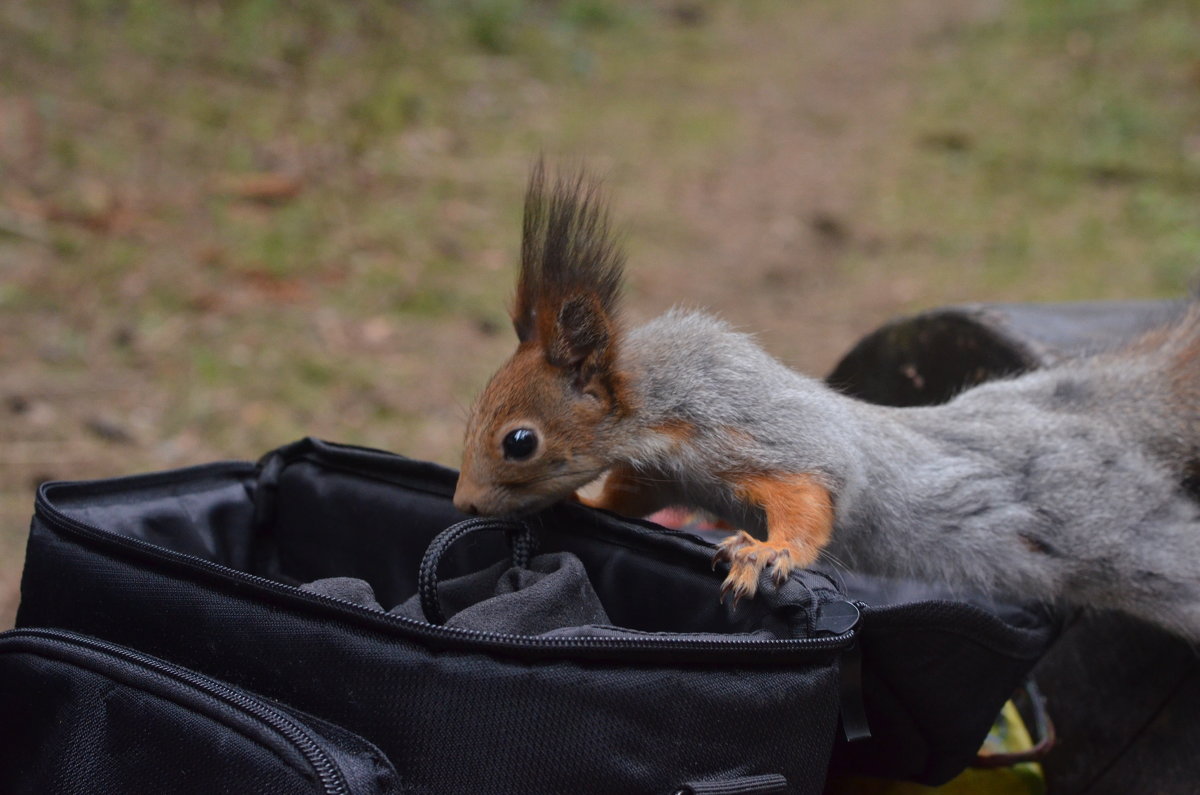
(227, 224)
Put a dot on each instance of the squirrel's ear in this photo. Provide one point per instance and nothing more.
(570, 280)
(581, 339)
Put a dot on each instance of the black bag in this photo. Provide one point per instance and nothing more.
(633, 678)
(85, 716)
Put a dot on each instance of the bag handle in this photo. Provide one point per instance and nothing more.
(1041, 728)
(521, 540)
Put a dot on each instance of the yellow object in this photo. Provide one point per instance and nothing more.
(1008, 734)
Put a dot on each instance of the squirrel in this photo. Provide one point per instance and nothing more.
(1065, 485)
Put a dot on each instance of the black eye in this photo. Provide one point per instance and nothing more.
(519, 444)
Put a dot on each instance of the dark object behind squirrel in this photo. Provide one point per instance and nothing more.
(1066, 484)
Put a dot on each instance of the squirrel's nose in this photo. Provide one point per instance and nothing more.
(466, 506)
(464, 499)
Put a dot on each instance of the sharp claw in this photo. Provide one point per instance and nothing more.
(748, 559)
(781, 568)
(745, 592)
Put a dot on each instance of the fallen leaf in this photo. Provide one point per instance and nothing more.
(278, 288)
(264, 188)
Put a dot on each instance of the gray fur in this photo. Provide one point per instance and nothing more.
(1060, 485)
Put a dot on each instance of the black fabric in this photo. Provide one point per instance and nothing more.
(915, 634)
(751, 785)
(455, 710)
(81, 717)
(552, 593)
(345, 589)
(664, 685)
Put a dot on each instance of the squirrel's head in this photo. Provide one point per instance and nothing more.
(543, 425)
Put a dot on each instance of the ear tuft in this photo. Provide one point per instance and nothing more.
(571, 269)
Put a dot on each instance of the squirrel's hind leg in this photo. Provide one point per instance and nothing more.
(799, 518)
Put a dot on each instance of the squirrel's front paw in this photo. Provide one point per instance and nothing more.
(747, 557)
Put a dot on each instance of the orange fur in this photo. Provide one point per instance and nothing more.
(799, 515)
(631, 493)
(627, 493)
(677, 430)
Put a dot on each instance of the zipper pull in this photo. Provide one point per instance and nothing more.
(838, 618)
(850, 694)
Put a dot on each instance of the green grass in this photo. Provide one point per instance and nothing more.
(1056, 148)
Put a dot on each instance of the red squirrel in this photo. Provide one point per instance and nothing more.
(1064, 484)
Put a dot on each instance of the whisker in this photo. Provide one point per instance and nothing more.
(550, 476)
(834, 559)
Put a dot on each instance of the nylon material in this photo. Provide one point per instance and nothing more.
(210, 518)
(76, 732)
(365, 767)
(449, 721)
(148, 687)
(918, 729)
(68, 544)
(400, 471)
(965, 622)
(768, 784)
(626, 583)
(330, 524)
(552, 593)
(881, 593)
(358, 763)
(649, 723)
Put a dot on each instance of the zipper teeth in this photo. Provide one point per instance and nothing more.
(332, 780)
(61, 520)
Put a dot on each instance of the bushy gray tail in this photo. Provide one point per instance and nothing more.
(1175, 350)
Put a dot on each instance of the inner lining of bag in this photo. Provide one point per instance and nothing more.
(332, 524)
(206, 516)
(318, 522)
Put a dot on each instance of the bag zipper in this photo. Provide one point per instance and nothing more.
(735, 648)
(328, 772)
